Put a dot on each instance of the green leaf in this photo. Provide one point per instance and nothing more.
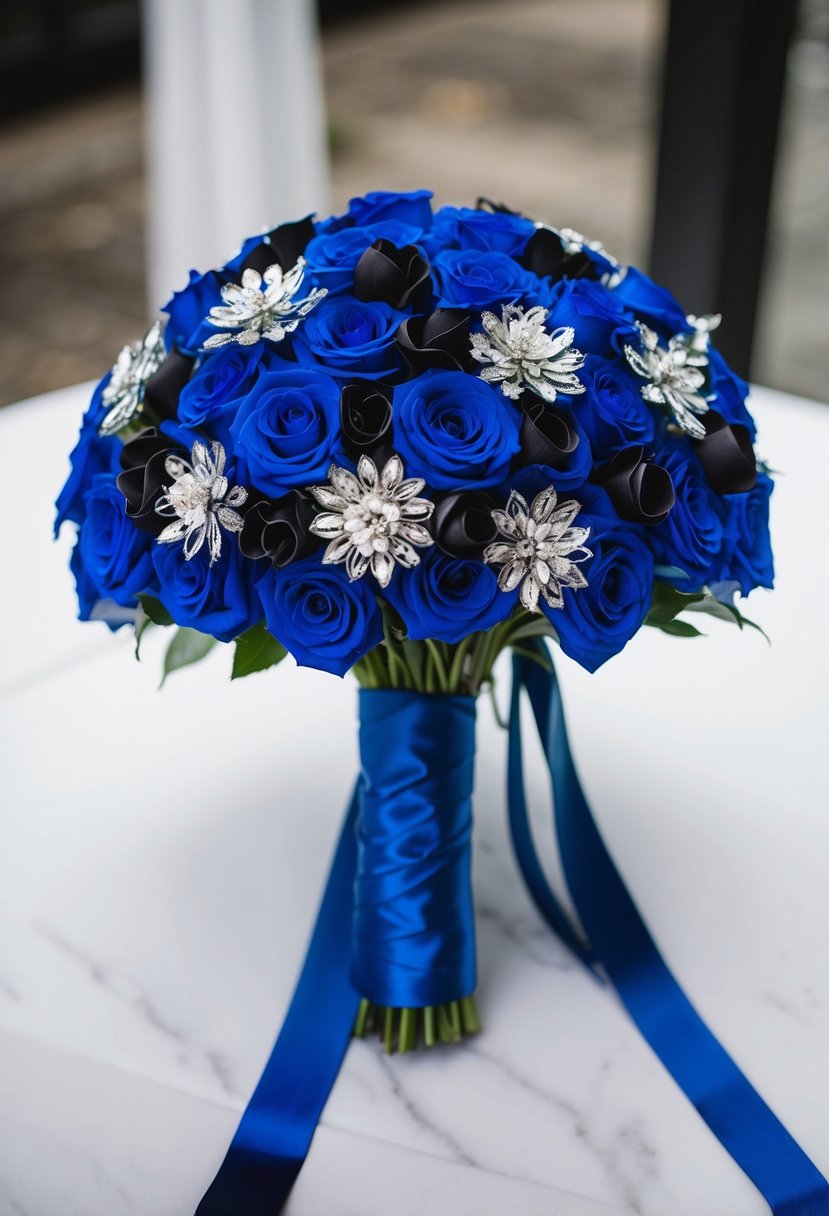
(667, 602)
(669, 572)
(142, 624)
(725, 612)
(187, 646)
(680, 629)
(256, 650)
(155, 610)
(539, 627)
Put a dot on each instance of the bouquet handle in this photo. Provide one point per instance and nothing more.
(276, 1129)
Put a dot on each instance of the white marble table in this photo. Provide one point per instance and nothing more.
(161, 857)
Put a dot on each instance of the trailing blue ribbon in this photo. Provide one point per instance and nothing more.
(273, 1138)
(759, 1143)
(276, 1129)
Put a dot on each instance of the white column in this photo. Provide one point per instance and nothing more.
(235, 128)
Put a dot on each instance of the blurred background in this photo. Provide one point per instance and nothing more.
(137, 140)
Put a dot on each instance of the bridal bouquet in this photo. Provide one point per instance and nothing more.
(397, 442)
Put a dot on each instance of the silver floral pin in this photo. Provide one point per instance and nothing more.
(576, 242)
(674, 375)
(520, 353)
(373, 520)
(262, 306)
(124, 393)
(540, 550)
(698, 339)
(201, 501)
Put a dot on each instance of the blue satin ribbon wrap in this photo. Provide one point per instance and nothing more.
(413, 941)
(417, 759)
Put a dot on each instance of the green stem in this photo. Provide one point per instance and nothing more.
(438, 664)
(458, 660)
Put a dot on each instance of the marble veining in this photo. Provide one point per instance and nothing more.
(147, 953)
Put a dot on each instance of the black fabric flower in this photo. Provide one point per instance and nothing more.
(544, 255)
(726, 455)
(366, 416)
(547, 434)
(440, 340)
(640, 490)
(397, 276)
(279, 530)
(462, 523)
(144, 476)
(284, 245)
(161, 391)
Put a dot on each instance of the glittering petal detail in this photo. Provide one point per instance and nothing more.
(540, 549)
(261, 306)
(124, 393)
(201, 501)
(372, 521)
(518, 353)
(674, 373)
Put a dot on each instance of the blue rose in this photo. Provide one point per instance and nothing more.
(729, 393)
(324, 620)
(597, 621)
(221, 380)
(447, 598)
(286, 430)
(413, 208)
(612, 410)
(468, 228)
(747, 556)
(111, 560)
(219, 599)
(332, 256)
(474, 278)
(649, 302)
(351, 338)
(92, 454)
(601, 323)
(454, 430)
(691, 538)
(187, 309)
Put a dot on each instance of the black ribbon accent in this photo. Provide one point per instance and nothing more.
(726, 455)
(144, 476)
(640, 490)
(547, 434)
(392, 274)
(545, 257)
(161, 392)
(462, 523)
(279, 531)
(366, 417)
(284, 245)
(439, 340)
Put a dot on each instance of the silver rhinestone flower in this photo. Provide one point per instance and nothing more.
(262, 306)
(124, 394)
(521, 354)
(698, 339)
(201, 500)
(674, 378)
(372, 520)
(540, 549)
(575, 242)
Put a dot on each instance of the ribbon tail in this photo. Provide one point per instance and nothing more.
(745, 1126)
(275, 1133)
